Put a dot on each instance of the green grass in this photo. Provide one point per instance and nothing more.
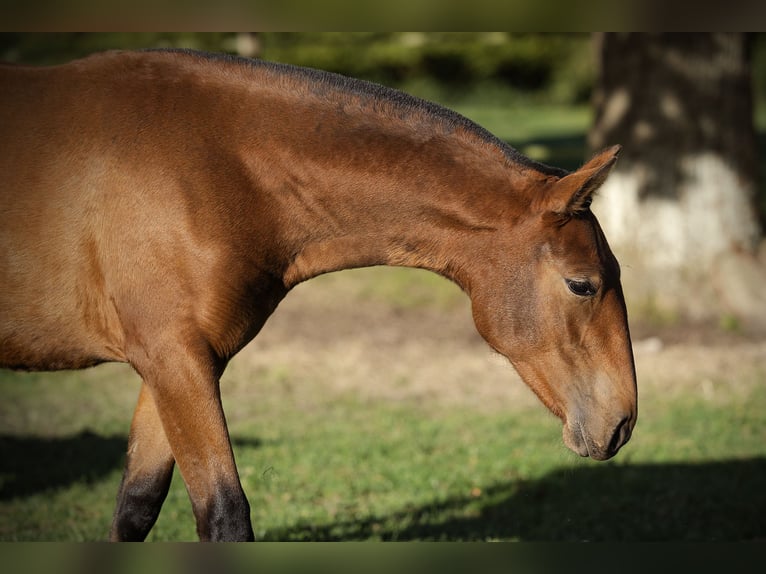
(400, 288)
(332, 466)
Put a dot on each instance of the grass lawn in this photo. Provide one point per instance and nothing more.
(369, 409)
(333, 467)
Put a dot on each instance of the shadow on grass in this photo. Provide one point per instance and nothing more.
(29, 465)
(723, 500)
(691, 502)
(34, 464)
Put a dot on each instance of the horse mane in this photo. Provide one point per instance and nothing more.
(396, 99)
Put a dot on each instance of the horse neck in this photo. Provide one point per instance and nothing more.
(356, 189)
(394, 207)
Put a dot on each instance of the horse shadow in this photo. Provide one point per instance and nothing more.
(707, 501)
(30, 464)
(711, 501)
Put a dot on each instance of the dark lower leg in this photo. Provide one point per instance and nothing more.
(147, 475)
(138, 505)
(226, 517)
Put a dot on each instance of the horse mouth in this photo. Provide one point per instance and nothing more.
(577, 439)
(574, 439)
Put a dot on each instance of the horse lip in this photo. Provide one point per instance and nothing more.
(574, 438)
(577, 439)
(600, 454)
(593, 450)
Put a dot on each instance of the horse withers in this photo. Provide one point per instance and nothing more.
(156, 206)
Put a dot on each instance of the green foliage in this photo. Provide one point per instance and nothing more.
(555, 65)
(55, 48)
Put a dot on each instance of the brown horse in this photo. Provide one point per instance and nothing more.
(156, 206)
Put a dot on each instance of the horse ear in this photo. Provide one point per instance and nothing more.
(573, 193)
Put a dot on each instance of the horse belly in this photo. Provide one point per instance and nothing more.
(48, 347)
(53, 312)
(50, 318)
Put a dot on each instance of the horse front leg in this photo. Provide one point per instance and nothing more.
(186, 405)
(147, 475)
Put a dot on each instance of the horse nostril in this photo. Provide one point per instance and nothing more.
(620, 436)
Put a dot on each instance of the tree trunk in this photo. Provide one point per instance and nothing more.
(679, 207)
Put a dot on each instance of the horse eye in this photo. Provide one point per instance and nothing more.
(581, 288)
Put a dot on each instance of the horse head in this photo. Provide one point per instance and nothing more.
(555, 308)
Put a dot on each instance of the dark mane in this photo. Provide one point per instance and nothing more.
(452, 120)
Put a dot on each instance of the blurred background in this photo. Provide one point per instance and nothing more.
(368, 408)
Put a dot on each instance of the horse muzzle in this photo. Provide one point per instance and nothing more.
(596, 443)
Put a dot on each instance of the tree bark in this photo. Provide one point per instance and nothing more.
(679, 207)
